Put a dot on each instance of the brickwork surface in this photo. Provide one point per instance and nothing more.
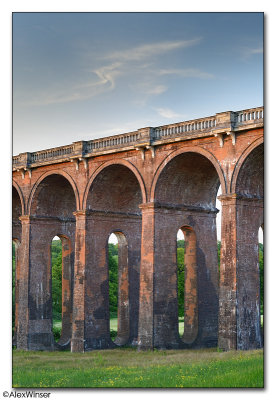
(143, 186)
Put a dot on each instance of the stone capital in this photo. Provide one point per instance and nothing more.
(234, 197)
(80, 213)
(25, 219)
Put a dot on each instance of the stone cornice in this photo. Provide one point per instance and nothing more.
(177, 207)
(239, 196)
(144, 139)
(113, 214)
(29, 218)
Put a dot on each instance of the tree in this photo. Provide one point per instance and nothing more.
(261, 267)
(113, 278)
(180, 276)
(56, 259)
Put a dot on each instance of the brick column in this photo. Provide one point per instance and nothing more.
(239, 309)
(191, 288)
(145, 329)
(78, 319)
(227, 339)
(16, 283)
(207, 279)
(123, 292)
(23, 286)
(249, 219)
(67, 254)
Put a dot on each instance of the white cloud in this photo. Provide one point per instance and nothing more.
(122, 63)
(187, 73)
(249, 51)
(105, 82)
(107, 74)
(149, 50)
(155, 90)
(168, 113)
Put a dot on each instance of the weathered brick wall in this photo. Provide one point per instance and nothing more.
(146, 192)
(165, 303)
(39, 295)
(99, 228)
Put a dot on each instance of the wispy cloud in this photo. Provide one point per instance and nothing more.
(116, 64)
(158, 89)
(247, 52)
(168, 113)
(148, 50)
(104, 81)
(187, 73)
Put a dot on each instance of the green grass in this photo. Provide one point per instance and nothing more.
(113, 324)
(129, 368)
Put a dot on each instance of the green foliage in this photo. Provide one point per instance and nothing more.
(56, 259)
(56, 332)
(180, 276)
(113, 278)
(261, 266)
(112, 249)
(219, 247)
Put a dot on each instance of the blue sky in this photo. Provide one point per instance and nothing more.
(79, 76)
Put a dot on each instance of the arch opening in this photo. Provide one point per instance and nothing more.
(118, 288)
(61, 289)
(250, 179)
(115, 189)
(16, 213)
(54, 197)
(187, 286)
(188, 179)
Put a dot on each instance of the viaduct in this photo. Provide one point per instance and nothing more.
(143, 186)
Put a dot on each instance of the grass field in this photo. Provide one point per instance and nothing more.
(129, 368)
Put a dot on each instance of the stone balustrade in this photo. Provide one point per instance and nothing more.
(228, 121)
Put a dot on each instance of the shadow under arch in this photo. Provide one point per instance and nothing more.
(20, 194)
(46, 175)
(107, 164)
(240, 162)
(179, 152)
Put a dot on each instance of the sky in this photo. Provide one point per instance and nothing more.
(82, 76)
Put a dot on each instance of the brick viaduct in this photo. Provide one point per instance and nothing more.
(143, 186)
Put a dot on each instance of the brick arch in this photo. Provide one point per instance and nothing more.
(126, 164)
(45, 175)
(17, 188)
(178, 152)
(240, 162)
